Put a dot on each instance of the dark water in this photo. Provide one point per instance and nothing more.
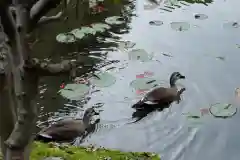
(209, 80)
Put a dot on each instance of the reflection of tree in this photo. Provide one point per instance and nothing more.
(49, 31)
(172, 4)
(198, 1)
(81, 49)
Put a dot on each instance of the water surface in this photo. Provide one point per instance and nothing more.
(194, 53)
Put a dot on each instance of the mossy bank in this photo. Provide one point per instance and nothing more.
(67, 152)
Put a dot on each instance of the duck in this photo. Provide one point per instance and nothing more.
(67, 129)
(162, 95)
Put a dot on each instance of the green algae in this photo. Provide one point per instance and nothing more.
(42, 150)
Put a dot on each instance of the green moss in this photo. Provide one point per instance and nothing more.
(41, 150)
(67, 152)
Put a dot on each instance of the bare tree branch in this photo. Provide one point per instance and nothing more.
(41, 8)
(18, 80)
(46, 19)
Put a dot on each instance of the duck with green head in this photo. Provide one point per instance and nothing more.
(68, 129)
(162, 95)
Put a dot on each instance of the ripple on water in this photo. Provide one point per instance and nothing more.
(231, 25)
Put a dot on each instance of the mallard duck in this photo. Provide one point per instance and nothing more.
(68, 129)
(161, 95)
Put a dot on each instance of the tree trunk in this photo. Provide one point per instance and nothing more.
(19, 76)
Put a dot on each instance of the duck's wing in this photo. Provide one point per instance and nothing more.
(161, 94)
(64, 131)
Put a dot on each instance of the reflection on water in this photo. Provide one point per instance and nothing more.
(194, 52)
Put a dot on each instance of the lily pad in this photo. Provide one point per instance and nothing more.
(100, 27)
(145, 83)
(103, 79)
(223, 110)
(180, 26)
(138, 54)
(65, 38)
(88, 30)
(74, 91)
(231, 25)
(156, 23)
(200, 16)
(78, 33)
(114, 20)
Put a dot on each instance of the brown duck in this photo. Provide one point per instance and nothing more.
(162, 95)
(68, 129)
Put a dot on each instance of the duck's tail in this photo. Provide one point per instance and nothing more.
(139, 104)
(43, 138)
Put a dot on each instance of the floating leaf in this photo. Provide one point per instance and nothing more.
(143, 83)
(78, 33)
(100, 27)
(138, 54)
(231, 25)
(180, 26)
(156, 23)
(103, 80)
(65, 38)
(114, 20)
(88, 30)
(74, 91)
(201, 16)
(223, 110)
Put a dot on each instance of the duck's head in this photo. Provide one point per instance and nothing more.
(174, 77)
(88, 115)
(177, 75)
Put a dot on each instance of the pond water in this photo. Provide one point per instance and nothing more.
(204, 48)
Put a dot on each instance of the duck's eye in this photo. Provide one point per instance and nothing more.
(178, 74)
